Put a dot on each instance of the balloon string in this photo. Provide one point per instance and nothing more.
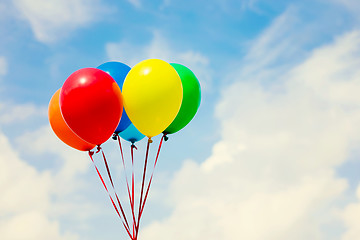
(123, 162)
(121, 151)
(133, 186)
(152, 174)
(131, 199)
(142, 186)
(112, 184)
(91, 153)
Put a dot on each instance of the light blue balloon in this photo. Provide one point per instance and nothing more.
(131, 134)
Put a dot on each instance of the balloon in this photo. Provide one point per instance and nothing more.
(91, 104)
(191, 99)
(152, 94)
(118, 72)
(62, 131)
(131, 134)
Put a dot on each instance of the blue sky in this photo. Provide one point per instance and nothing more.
(271, 154)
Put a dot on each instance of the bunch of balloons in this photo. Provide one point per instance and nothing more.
(158, 97)
(114, 100)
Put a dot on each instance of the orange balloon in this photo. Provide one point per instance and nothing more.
(61, 129)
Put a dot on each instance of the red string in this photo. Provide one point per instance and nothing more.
(152, 174)
(131, 199)
(149, 184)
(142, 186)
(123, 161)
(112, 184)
(112, 201)
(133, 175)
(133, 187)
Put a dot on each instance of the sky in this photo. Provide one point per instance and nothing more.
(273, 152)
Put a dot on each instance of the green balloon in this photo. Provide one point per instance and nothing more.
(191, 99)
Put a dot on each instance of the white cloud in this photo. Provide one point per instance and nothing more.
(32, 226)
(337, 77)
(15, 113)
(33, 201)
(53, 19)
(25, 199)
(351, 219)
(286, 124)
(17, 179)
(43, 140)
(160, 48)
(3, 66)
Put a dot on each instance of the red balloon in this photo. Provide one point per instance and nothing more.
(91, 104)
(61, 129)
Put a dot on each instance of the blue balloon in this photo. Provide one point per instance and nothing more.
(118, 72)
(131, 134)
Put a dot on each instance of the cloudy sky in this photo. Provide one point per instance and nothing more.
(273, 152)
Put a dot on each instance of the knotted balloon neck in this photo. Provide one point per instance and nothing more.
(165, 137)
(98, 148)
(150, 140)
(133, 146)
(115, 136)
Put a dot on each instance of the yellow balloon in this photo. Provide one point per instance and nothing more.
(152, 93)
